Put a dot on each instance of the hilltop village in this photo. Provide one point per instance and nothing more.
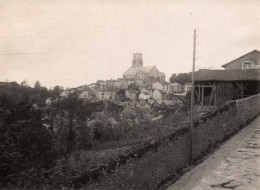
(139, 83)
(62, 135)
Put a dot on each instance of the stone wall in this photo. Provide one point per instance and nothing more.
(150, 166)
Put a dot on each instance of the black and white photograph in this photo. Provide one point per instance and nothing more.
(129, 94)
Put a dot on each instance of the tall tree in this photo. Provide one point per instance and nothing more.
(24, 83)
(56, 90)
(37, 85)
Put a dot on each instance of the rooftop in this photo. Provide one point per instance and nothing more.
(254, 51)
(227, 75)
(133, 70)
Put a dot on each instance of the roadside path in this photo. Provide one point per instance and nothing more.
(235, 165)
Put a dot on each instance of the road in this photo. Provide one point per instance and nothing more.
(235, 165)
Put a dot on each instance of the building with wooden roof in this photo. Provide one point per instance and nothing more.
(212, 86)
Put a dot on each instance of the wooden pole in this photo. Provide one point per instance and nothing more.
(192, 101)
(215, 94)
(202, 95)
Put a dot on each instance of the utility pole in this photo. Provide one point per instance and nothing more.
(192, 101)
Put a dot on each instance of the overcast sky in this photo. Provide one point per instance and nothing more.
(76, 42)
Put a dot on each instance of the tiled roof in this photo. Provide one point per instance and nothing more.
(227, 75)
(133, 70)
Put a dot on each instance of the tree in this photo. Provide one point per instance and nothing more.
(27, 148)
(37, 85)
(56, 91)
(24, 83)
(181, 78)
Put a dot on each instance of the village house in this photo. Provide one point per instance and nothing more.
(250, 60)
(64, 94)
(51, 100)
(85, 94)
(94, 85)
(110, 82)
(144, 95)
(157, 86)
(140, 75)
(126, 82)
(131, 94)
(159, 95)
(118, 83)
(166, 87)
(174, 87)
(101, 82)
(105, 94)
(83, 87)
(145, 90)
(187, 87)
(151, 101)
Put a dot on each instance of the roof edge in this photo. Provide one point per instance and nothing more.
(241, 57)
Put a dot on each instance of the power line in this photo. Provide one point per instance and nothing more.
(34, 53)
(34, 22)
(43, 37)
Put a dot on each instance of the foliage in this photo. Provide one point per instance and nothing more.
(37, 85)
(181, 78)
(56, 91)
(12, 93)
(80, 135)
(27, 148)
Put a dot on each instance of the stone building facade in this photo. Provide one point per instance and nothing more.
(143, 76)
(250, 60)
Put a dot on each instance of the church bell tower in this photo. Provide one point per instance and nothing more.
(137, 60)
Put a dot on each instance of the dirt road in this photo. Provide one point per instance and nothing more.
(235, 165)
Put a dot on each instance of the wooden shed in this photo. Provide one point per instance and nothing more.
(213, 86)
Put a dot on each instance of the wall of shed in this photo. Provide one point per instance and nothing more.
(225, 90)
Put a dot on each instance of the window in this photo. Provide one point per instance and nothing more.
(247, 65)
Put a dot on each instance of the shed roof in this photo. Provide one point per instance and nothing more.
(227, 75)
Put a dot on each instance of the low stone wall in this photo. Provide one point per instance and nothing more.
(150, 166)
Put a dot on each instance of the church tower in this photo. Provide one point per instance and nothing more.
(137, 60)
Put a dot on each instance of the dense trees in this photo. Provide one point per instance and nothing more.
(27, 148)
(12, 93)
(181, 78)
(40, 148)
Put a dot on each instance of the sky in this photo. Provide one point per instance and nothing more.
(76, 42)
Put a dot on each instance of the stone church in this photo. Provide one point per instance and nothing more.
(142, 76)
